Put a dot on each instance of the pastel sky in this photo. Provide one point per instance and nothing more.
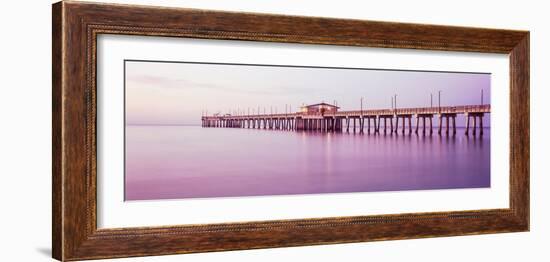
(159, 93)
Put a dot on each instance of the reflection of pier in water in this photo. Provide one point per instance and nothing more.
(324, 117)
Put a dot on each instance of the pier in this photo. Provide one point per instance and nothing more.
(325, 117)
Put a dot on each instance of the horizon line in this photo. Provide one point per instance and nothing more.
(151, 124)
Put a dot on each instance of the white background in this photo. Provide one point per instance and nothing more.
(25, 135)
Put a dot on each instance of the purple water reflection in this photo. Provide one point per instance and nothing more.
(171, 162)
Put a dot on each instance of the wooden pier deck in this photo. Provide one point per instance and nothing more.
(341, 121)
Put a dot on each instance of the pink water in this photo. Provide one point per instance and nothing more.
(173, 162)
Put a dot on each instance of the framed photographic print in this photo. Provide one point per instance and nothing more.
(182, 130)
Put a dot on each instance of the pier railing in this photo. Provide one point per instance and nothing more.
(367, 112)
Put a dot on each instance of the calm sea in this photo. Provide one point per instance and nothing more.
(171, 162)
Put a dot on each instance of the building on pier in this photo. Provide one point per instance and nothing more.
(319, 109)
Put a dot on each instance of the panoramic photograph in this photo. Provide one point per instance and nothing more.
(205, 130)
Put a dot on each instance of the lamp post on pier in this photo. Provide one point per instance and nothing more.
(439, 100)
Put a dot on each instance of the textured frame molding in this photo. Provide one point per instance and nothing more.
(75, 28)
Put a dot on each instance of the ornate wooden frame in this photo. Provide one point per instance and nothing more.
(76, 26)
